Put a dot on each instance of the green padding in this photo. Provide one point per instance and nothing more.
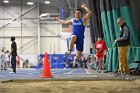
(109, 60)
(94, 65)
(126, 14)
(115, 59)
(92, 46)
(112, 59)
(106, 29)
(111, 32)
(133, 55)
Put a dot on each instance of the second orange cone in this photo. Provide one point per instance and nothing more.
(46, 72)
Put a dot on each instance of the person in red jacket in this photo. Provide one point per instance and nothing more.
(100, 48)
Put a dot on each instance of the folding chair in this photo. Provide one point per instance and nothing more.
(137, 68)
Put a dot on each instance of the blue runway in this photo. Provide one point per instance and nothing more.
(31, 73)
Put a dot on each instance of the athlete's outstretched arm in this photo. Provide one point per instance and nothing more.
(88, 14)
(63, 21)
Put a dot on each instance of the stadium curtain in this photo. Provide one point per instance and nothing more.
(110, 10)
(95, 20)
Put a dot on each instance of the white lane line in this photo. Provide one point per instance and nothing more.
(87, 71)
(95, 75)
(71, 71)
(89, 76)
(58, 71)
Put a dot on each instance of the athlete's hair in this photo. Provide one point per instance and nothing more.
(78, 9)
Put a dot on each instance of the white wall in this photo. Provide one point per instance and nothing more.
(87, 41)
(23, 29)
(64, 37)
(51, 37)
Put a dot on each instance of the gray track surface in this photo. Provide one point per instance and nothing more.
(61, 74)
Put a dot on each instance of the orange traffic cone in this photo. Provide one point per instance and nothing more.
(46, 73)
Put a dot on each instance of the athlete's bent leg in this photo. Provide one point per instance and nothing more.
(71, 43)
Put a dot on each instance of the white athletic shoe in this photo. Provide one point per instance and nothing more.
(12, 72)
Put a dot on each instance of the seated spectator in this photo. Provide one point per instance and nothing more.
(40, 62)
(80, 63)
(26, 64)
(90, 62)
(71, 64)
(75, 63)
(17, 61)
(64, 62)
(2, 57)
(84, 62)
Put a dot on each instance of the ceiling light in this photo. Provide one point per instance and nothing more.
(47, 2)
(6, 1)
(30, 3)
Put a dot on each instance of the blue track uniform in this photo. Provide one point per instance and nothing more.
(78, 30)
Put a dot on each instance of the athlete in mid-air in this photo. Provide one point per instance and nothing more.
(78, 28)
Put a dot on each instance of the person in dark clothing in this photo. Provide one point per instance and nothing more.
(85, 62)
(80, 63)
(64, 62)
(123, 43)
(13, 54)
